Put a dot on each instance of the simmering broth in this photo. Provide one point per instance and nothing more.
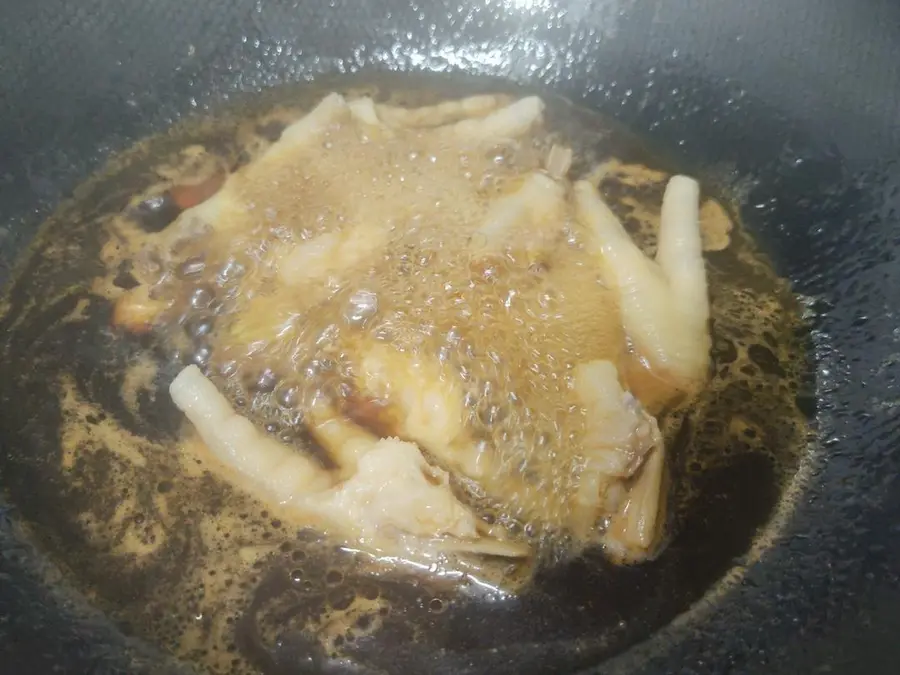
(183, 552)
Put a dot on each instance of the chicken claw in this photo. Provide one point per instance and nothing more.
(664, 303)
(506, 123)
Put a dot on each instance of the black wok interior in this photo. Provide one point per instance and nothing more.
(793, 106)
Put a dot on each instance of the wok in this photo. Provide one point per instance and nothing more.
(793, 102)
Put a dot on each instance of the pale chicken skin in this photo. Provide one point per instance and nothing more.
(393, 494)
(432, 297)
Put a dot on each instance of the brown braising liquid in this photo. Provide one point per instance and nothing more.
(152, 527)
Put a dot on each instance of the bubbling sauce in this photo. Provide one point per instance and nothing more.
(224, 577)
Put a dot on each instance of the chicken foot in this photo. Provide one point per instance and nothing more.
(664, 303)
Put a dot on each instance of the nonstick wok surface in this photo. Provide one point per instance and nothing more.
(796, 101)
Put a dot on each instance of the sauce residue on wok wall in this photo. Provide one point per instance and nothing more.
(140, 521)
